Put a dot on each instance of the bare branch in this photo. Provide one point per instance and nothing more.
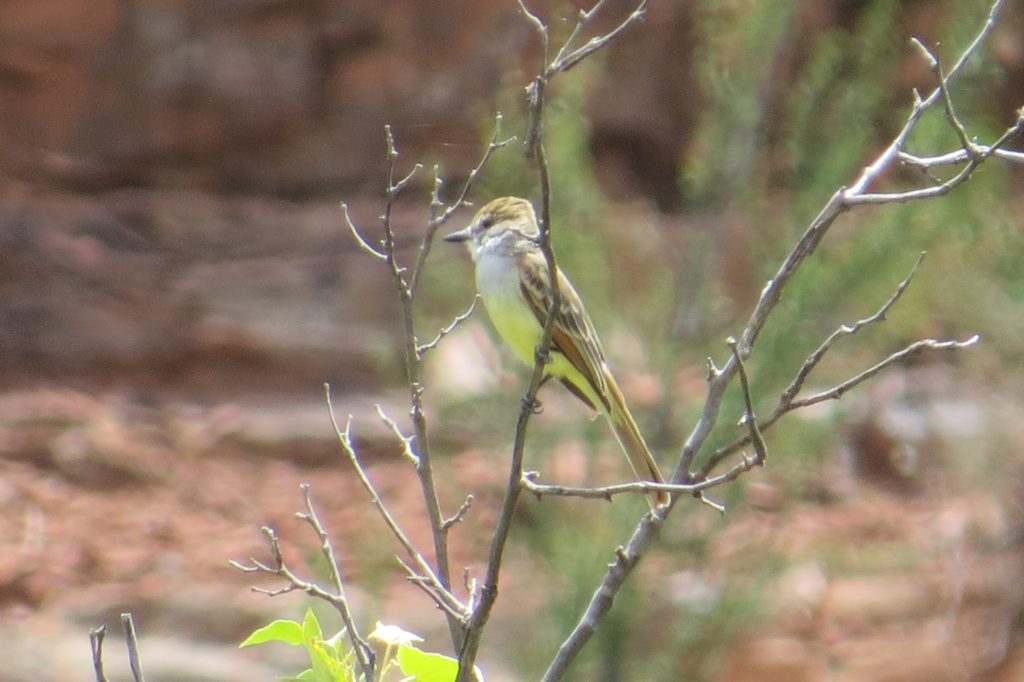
(96, 636)
(439, 214)
(364, 653)
(914, 348)
(542, 29)
(959, 156)
(421, 350)
(337, 599)
(719, 378)
(428, 586)
(785, 403)
(414, 376)
(954, 121)
(344, 438)
(563, 62)
(749, 418)
(134, 663)
(535, 150)
(359, 238)
(407, 449)
(607, 492)
(461, 513)
(846, 330)
(876, 168)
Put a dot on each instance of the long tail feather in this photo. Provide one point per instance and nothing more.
(632, 442)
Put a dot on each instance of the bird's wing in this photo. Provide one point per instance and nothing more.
(573, 333)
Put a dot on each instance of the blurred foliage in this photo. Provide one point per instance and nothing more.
(773, 171)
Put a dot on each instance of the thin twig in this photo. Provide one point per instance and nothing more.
(959, 156)
(785, 403)
(414, 376)
(364, 653)
(607, 492)
(363, 244)
(429, 587)
(461, 513)
(749, 418)
(947, 101)
(96, 636)
(535, 150)
(407, 450)
(880, 164)
(841, 201)
(899, 356)
(422, 349)
(134, 662)
(441, 215)
(345, 439)
(564, 62)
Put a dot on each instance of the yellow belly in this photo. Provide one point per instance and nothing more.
(498, 284)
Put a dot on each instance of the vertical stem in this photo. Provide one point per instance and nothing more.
(414, 374)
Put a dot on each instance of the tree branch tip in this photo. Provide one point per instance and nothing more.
(929, 57)
(704, 499)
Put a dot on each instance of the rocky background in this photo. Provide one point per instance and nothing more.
(176, 284)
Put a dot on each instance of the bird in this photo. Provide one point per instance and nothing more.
(514, 283)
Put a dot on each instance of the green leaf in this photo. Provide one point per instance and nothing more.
(311, 631)
(306, 675)
(287, 631)
(326, 667)
(426, 667)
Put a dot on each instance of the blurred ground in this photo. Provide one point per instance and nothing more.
(113, 506)
(176, 285)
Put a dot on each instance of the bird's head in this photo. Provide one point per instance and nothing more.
(505, 217)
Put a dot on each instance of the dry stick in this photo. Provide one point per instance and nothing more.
(414, 374)
(406, 441)
(461, 513)
(413, 351)
(440, 215)
(451, 603)
(857, 193)
(529, 483)
(749, 418)
(421, 350)
(96, 636)
(785, 403)
(133, 647)
(841, 201)
(960, 156)
(364, 653)
(899, 356)
(564, 61)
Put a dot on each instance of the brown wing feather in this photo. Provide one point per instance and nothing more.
(574, 337)
(573, 334)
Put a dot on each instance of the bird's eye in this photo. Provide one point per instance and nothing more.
(486, 222)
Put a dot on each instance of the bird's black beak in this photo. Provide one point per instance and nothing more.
(460, 236)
